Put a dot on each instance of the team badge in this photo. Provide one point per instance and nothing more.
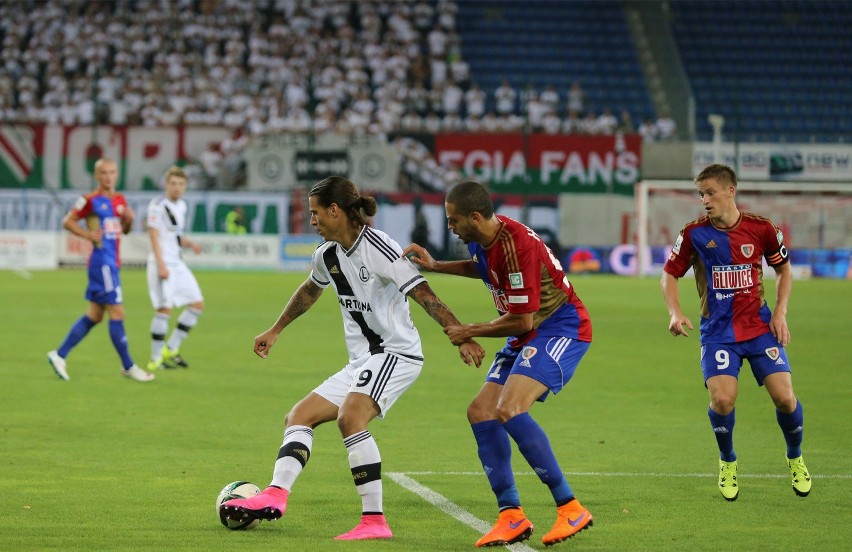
(516, 280)
(773, 353)
(363, 274)
(526, 355)
(747, 249)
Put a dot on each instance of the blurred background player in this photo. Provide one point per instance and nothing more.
(726, 248)
(548, 330)
(372, 280)
(107, 217)
(235, 221)
(170, 282)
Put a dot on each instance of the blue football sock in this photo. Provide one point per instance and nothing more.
(791, 424)
(723, 429)
(119, 341)
(495, 453)
(76, 334)
(535, 446)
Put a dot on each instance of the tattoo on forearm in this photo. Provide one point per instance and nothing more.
(433, 306)
(301, 301)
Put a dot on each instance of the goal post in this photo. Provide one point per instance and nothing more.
(812, 215)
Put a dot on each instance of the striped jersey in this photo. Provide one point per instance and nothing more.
(108, 211)
(729, 274)
(169, 218)
(524, 276)
(371, 281)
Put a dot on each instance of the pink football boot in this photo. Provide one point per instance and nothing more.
(371, 527)
(269, 504)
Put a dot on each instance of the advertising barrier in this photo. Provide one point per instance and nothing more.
(28, 250)
(780, 162)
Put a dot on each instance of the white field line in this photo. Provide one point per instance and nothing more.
(441, 502)
(641, 474)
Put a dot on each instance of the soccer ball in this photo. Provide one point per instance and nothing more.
(237, 489)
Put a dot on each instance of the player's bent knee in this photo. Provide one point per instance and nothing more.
(723, 404)
(478, 412)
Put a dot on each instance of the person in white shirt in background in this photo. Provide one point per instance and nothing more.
(171, 283)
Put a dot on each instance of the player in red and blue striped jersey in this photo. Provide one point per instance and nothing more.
(726, 248)
(107, 216)
(548, 331)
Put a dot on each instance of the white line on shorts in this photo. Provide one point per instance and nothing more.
(454, 510)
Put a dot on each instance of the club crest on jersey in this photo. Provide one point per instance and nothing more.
(516, 280)
(526, 354)
(363, 274)
(747, 249)
(773, 353)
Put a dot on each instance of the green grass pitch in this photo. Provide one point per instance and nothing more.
(103, 463)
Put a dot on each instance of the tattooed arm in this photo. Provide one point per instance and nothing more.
(299, 303)
(470, 351)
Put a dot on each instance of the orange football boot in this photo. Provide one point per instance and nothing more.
(512, 526)
(571, 518)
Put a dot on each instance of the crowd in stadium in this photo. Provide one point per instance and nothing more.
(269, 66)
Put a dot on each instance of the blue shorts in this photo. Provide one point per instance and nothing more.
(549, 360)
(764, 353)
(104, 286)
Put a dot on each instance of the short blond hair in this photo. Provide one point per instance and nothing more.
(174, 170)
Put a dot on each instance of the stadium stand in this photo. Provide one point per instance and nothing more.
(778, 71)
(541, 43)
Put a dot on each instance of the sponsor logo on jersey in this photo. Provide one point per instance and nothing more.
(334, 270)
(112, 228)
(780, 362)
(363, 274)
(519, 299)
(732, 277)
(747, 249)
(352, 304)
(780, 237)
(494, 278)
(516, 280)
(773, 353)
(80, 203)
(711, 244)
(723, 296)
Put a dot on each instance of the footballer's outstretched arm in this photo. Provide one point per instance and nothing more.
(470, 351)
(418, 255)
(301, 300)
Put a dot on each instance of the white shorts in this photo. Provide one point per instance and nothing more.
(179, 289)
(384, 377)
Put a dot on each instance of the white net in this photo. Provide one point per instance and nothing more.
(810, 217)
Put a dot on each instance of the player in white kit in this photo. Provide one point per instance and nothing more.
(372, 280)
(170, 282)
